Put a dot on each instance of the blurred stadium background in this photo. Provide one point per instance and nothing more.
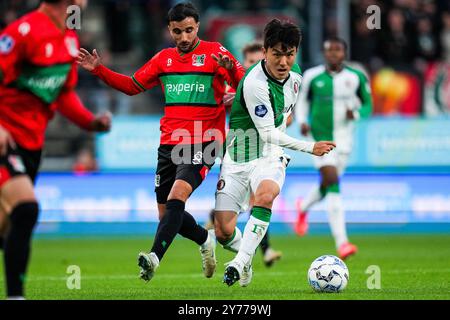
(399, 173)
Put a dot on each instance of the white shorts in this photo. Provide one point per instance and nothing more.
(238, 180)
(334, 158)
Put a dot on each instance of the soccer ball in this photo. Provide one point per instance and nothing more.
(328, 274)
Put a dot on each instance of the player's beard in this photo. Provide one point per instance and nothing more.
(185, 47)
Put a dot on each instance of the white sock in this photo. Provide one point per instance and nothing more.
(336, 218)
(254, 231)
(312, 198)
(235, 242)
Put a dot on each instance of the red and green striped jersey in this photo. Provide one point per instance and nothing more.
(193, 85)
(37, 75)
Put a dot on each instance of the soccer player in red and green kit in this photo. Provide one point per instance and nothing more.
(192, 76)
(38, 75)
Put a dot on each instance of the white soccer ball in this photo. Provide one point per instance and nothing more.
(328, 274)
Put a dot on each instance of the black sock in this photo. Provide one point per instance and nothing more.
(168, 227)
(1, 242)
(192, 231)
(17, 245)
(264, 245)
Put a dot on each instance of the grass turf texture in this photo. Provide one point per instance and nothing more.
(412, 267)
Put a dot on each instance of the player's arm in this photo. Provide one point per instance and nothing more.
(143, 79)
(12, 51)
(364, 94)
(260, 110)
(301, 109)
(69, 105)
(233, 71)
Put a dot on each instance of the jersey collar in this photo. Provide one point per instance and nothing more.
(281, 83)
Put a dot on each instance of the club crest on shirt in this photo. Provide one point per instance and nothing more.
(261, 110)
(198, 60)
(6, 44)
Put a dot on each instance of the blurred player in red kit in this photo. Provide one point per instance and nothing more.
(38, 75)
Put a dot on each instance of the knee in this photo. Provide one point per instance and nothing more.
(223, 232)
(264, 199)
(180, 192)
(329, 181)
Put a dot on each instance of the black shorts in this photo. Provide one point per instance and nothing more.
(189, 163)
(19, 161)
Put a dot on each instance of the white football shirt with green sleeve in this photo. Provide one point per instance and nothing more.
(324, 100)
(259, 114)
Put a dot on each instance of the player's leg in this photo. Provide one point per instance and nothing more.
(315, 195)
(17, 199)
(227, 233)
(31, 161)
(269, 255)
(175, 220)
(164, 180)
(232, 197)
(347, 249)
(210, 223)
(266, 181)
(254, 230)
(4, 225)
(335, 209)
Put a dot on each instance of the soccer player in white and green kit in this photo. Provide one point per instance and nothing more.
(254, 160)
(333, 96)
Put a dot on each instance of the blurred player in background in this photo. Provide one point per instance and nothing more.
(38, 75)
(192, 76)
(253, 53)
(333, 96)
(254, 160)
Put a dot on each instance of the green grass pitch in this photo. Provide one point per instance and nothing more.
(412, 267)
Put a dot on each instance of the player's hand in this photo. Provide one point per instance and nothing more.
(88, 61)
(6, 141)
(223, 61)
(350, 115)
(102, 123)
(304, 129)
(323, 147)
(228, 99)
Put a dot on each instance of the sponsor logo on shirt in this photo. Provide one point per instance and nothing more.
(261, 110)
(157, 180)
(6, 44)
(179, 88)
(198, 60)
